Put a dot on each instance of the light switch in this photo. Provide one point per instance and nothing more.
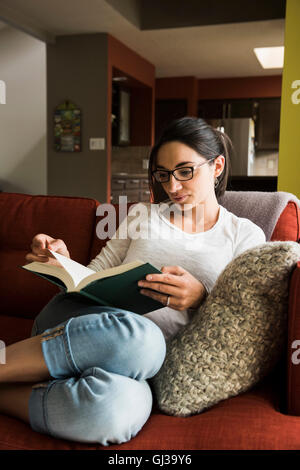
(97, 143)
(145, 164)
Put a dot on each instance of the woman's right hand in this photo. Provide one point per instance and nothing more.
(40, 246)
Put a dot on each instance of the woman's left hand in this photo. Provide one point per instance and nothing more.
(183, 289)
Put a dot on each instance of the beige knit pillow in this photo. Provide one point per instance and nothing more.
(235, 338)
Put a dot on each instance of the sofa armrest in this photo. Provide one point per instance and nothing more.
(293, 344)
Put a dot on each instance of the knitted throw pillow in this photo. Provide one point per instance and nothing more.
(235, 338)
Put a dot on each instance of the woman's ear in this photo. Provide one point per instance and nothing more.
(219, 165)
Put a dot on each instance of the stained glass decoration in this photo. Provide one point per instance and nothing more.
(67, 127)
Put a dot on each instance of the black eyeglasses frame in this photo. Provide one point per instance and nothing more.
(171, 172)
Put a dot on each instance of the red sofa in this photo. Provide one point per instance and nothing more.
(263, 418)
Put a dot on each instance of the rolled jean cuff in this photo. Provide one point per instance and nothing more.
(37, 407)
(57, 352)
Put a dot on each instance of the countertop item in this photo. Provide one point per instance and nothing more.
(129, 175)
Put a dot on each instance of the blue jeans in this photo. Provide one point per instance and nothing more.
(100, 359)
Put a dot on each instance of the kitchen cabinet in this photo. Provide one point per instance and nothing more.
(252, 183)
(268, 124)
(166, 111)
(131, 111)
(265, 113)
(134, 186)
(225, 109)
(212, 109)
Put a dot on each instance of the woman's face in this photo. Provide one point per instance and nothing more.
(196, 190)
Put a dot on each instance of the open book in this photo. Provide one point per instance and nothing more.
(115, 287)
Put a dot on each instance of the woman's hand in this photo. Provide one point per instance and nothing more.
(40, 246)
(183, 289)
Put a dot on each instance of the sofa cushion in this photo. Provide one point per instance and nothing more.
(293, 346)
(288, 224)
(276, 213)
(236, 336)
(246, 422)
(21, 217)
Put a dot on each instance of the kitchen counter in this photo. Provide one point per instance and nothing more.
(134, 185)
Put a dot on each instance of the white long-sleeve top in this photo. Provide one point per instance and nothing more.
(147, 234)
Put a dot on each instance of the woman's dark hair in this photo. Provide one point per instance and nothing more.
(199, 136)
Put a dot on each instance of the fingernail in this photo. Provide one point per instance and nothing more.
(149, 278)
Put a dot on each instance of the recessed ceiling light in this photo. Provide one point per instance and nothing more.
(270, 57)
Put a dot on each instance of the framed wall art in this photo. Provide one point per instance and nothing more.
(67, 127)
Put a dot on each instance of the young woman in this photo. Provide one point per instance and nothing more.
(83, 374)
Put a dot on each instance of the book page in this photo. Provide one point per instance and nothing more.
(48, 269)
(76, 270)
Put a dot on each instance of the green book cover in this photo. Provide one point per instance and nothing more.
(113, 288)
(123, 291)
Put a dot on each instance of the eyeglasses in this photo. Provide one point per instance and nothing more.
(184, 173)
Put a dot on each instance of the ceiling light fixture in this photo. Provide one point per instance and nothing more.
(270, 57)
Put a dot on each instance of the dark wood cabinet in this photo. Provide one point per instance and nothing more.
(252, 183)
(264, 111)
(224, 109)
(212, 109)
(267, 124)
(242, 109)
(166, 111)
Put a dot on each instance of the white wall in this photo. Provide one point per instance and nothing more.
(23, 157)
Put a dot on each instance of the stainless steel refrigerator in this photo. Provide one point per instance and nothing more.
(242, 134)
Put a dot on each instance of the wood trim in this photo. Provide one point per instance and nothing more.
(130, 63)
(142, 75)
(241, 87)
